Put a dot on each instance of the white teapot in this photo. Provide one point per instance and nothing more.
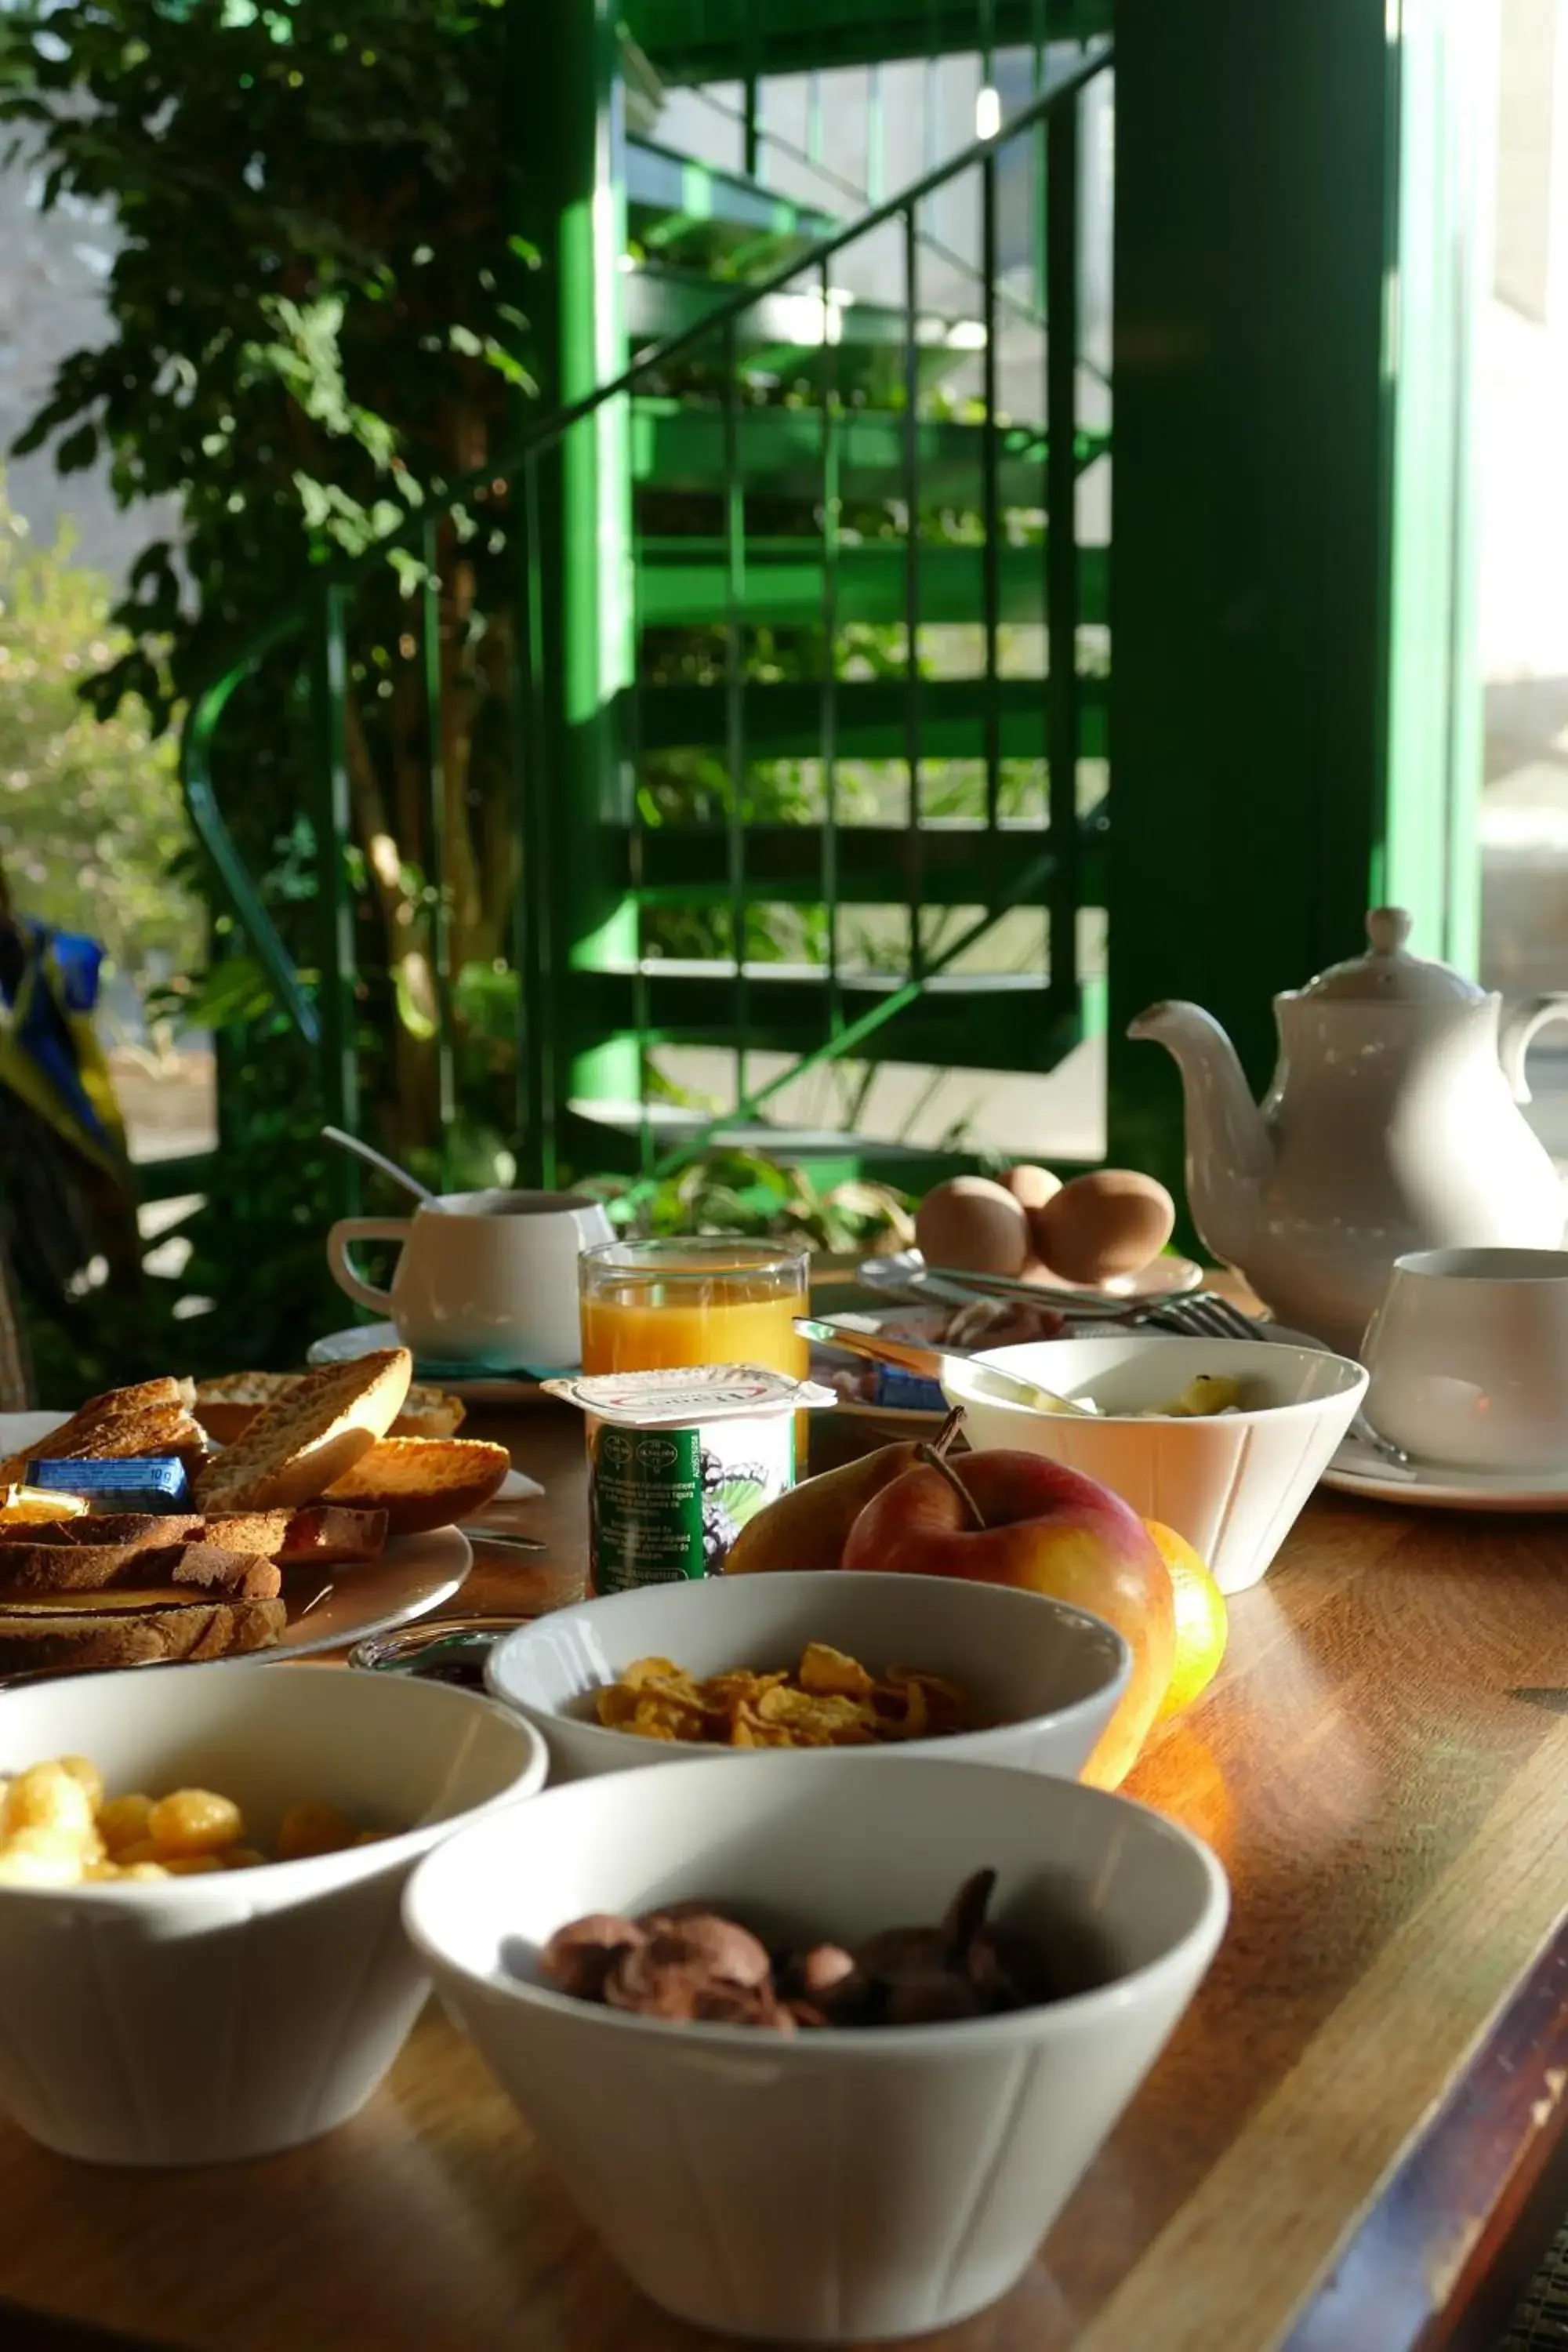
(1392, 1124)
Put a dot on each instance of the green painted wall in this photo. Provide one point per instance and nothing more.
(1294, 704)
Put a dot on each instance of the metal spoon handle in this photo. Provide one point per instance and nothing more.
(375, 1158)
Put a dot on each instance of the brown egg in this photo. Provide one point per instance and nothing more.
(973, 1224)
(1113, 1222)
(1031, 1185)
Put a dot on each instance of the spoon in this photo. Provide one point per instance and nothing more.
(932, 1364)
(375, 1158)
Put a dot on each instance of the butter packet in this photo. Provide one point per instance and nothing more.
(147, 1482)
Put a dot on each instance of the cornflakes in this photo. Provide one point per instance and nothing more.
(828, 1700)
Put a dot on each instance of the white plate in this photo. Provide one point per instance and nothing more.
(902, 1275)
(331, 1606)
(1355, 1471)
(474, 1388)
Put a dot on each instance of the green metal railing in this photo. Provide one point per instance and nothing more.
(569, 994)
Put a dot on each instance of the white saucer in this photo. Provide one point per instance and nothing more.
(902, 1275)
(1426, 1486)
(474, 1388)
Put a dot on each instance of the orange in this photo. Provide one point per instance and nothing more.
(1202, 1622)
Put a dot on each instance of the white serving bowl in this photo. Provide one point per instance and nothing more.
(194, 2020)
(1234, 1485)
(1043, 1676)
(825, 2185)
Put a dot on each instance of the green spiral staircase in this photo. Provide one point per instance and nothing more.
(802, 678)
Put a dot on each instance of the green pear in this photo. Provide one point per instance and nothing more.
(809, 1525)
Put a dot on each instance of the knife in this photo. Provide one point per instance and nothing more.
(980, 1381)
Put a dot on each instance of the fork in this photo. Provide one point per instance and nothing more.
(1204, 1315)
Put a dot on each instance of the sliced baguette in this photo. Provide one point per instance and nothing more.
(423, 1482)
(311, 1436)
(133, 1629)
(227, 1407)
(34, 1571)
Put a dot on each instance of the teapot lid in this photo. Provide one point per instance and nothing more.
(1387, 974)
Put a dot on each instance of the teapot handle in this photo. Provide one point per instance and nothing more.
(1519, 1029)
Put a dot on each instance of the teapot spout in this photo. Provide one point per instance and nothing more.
(1229, 1154)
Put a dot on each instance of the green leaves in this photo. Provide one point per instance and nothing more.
(747, 1194)
(90, 816)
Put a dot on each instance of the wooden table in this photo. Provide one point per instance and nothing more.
(1365, 2100)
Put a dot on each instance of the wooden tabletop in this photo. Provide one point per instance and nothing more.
(1365, 2097)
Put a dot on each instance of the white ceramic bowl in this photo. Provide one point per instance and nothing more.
(827, 2186)
(192, 2020)
(1235, 1485)
(1045, 1676)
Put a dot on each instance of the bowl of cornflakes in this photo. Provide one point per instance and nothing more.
(1013, 1950)
(865, 1665)
(200, 1873)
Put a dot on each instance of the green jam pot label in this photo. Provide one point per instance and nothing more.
(666, 1504)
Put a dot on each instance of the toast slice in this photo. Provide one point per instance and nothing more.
(144, 1396)
(328, 1535)
(149, 1627)
(239, 1575)
(227, 1407)
(152, 1418)
(308, 1437)
(32, 1572)
(423, 1482)
(318, 1535)
(149, 1530)
(262, 1531)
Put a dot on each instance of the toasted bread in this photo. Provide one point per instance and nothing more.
(31, 1571)
(151, 1530)
(239, 1575)
(153, 1418)
(423, 1482)
(133, 1629)
(326, 1535)
(262, 1531)
(147, 1396)
(308, 1437)
(429, 1412)
(227, 1407)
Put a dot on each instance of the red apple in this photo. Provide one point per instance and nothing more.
(1016, 1518)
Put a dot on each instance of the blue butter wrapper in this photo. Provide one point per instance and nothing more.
(149, 1482)
(907, 1393)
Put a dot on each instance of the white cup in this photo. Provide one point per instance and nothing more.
(483, 1278)
(1468, 1358)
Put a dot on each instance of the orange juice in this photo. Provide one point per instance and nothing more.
(655, 1305)
(721, 1328)
(666, 1305)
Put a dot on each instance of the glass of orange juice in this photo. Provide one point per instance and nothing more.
(654, 1305)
